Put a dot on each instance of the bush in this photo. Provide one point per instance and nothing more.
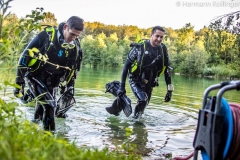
(23, 140)
(208, 71)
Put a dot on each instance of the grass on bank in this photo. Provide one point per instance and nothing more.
(23, 140)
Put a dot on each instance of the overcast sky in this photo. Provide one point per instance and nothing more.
(141, 13)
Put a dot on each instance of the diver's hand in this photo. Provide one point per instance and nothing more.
(17, 93)
(19, 83)
(121, 90)
(27, 97)
(168, 96)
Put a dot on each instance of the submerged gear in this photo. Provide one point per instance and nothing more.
(122, 102)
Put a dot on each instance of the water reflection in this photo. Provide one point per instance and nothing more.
(129, 135)
(165, 129)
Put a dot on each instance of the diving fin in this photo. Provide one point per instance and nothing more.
(119, 104)
(65, 102)
(126, 105)
(115, 109)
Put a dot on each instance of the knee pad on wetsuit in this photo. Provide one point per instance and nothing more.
(138, 91)
(142, 96)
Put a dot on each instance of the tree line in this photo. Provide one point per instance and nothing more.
(211, 51)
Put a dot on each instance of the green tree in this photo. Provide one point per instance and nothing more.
(186, 38)
(12, 35)
(49, 20)
(222, 38)
(88, 48)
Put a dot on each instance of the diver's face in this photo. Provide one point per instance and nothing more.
(70, 34)
(156, 38)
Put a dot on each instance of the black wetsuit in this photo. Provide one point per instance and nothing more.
(42, 78)
(144, 78)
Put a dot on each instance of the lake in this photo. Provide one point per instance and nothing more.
(166, 129)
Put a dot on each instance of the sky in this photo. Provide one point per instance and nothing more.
(140, 13)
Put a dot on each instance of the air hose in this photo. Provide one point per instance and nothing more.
(235, 145)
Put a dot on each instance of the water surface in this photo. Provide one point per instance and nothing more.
(165, 128)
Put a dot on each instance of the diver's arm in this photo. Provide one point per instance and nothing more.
(167, 75)
(25, 58)
(125, 69)
(132, 56)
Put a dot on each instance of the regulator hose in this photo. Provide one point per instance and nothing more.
(233, 148)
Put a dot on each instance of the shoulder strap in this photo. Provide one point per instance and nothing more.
(50, 30)
(79, 53)
(166, 59)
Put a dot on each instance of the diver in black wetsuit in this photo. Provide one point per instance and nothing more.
(52, 58)
(146, 61)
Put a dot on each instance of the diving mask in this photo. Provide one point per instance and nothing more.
(68, 45)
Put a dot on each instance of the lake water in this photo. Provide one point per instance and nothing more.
(166, 129)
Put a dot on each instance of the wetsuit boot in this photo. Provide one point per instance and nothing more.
(49, 118)
(139, 110)
(38, 113)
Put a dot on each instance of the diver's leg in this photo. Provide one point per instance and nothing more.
(142, 97)
(48, 117)
(49, 106)
(32, 93)
(38, 114)
(139, 109)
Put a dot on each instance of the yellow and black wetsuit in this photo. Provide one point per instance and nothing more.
(143, 65)
(60, 63)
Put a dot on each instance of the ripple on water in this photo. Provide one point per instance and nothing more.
(164, 128)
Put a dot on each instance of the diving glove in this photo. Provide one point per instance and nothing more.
(27, 97)
(17, 93)
(168, 96)
(169, 93)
